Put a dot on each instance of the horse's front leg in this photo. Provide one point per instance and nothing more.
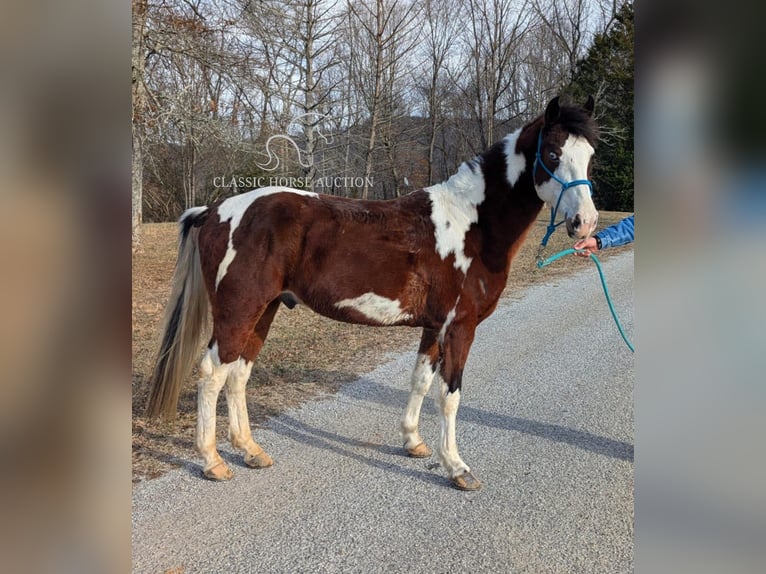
(422, 377)
(455, 343)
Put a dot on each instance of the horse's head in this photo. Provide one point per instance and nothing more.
(565, 146)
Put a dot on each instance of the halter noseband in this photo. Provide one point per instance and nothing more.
(564, 186)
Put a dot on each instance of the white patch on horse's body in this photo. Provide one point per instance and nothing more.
(453, 211)
(448, 321)
(515, 162)
(449, 403)
(376, 307)
(225, 262)
(233, 209)
(422, 377)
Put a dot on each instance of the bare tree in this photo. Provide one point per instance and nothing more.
(441, 31)
(545, 69)
(495, 31)
(567, 21)
(310, 26)
(407, 88)
(138, 92)
(192, 72)
(383, 33)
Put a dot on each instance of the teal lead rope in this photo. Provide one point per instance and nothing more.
(542, 263)
(551, 228)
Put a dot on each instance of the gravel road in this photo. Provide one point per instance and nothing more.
(546, 422)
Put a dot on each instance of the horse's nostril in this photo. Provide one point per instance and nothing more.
(576, 221)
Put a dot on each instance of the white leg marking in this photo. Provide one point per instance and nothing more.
(376, 307)
(449, 403)
(453, 210)
(514, 161)
(240, 434)
(214, 376)
(234, 208)
(422, 377)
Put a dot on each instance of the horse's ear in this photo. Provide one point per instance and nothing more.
(552, 112)
(590, 105)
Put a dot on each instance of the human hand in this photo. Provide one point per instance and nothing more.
(586, 246)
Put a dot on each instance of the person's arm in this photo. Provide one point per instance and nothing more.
(618, 234)
(615, 235)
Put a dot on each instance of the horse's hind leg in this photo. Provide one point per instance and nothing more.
(239, 423)
(240, 433)
(214, 376)
(242, 342)
(422, 377)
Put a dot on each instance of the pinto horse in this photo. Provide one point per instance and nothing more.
(437, 259)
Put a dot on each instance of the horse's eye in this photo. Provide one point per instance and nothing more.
(553, 155)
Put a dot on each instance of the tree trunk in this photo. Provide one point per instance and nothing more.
(376, 97)
(432, 126)
(139, 100)
(373, 130)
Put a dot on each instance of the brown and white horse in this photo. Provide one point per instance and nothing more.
(437, 259)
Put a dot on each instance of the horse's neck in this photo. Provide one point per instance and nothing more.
(481, 192)
(509, 211)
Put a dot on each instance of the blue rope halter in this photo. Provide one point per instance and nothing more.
(564, 186)
(553, 225)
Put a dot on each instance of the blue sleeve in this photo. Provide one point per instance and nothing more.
(618, 234)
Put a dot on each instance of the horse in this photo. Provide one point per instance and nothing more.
(437, 259)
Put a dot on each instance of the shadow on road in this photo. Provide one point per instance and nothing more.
(376, 396)
(287, 426)
(368, 391)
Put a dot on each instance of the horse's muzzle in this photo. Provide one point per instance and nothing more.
(578, 228)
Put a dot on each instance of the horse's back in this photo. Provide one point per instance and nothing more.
(322, 249)
(366, 261)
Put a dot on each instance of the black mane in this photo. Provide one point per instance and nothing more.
(577, 121)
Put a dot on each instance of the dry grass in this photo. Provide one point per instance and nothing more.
(305, 357)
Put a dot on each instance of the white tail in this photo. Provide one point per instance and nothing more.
(185, 318)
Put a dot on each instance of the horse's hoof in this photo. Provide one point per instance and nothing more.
(419, 451)
(220, 472)
(466, 481)
(259, 460)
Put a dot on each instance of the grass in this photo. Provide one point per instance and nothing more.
(306, 356)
